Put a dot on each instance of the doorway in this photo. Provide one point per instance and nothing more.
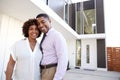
(88, 54)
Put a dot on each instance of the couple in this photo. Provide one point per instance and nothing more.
(26, 59)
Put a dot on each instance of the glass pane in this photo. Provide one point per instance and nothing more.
(66, 12)
(89, 14)
(78, 22)
(89, 21)
(88, 53)
(86, 18)
(78, 51)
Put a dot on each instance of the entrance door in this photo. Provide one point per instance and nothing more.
(88, 54)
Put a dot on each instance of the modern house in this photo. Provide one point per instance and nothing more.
(82, 24)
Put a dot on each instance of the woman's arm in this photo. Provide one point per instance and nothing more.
(10, 68)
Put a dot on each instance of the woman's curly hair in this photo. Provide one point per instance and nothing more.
(26, 26)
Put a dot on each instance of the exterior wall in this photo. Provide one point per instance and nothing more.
(71, 52)
(1, 55)
(113, 58)
(0, 21)
(112, 24)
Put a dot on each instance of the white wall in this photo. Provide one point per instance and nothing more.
(112, 22)
(1, 55)
(10, 31)
(0, 21)
(71, 52)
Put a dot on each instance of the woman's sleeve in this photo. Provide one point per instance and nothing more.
(13, 52)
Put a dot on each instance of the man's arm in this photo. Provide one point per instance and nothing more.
(62, 54)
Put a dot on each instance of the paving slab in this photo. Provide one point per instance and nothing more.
(79, 74)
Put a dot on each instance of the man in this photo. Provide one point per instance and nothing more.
(54, 48)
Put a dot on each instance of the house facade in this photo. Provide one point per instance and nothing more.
(82, 24)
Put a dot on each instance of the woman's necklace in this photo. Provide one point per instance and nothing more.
(32, 45)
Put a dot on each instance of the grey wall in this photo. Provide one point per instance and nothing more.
(57, 6)
(100, 16)
(101, 57)
(72, 16)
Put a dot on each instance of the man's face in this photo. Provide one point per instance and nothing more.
(44, 24)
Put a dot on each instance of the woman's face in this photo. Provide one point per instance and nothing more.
(33, 32)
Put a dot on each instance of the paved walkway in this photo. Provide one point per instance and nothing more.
(78, 74)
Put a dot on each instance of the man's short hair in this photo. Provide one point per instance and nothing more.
(42, 15)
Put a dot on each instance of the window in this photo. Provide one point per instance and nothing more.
(78, 51)
(87, 53)
(66, 14)
(86, 17)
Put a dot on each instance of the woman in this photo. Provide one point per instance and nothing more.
(25, 55)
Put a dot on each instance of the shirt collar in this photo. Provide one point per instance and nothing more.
(50, 30)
